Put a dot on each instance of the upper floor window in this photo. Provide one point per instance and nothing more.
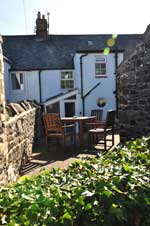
(17, 81)
(67, 81)
(100, 66)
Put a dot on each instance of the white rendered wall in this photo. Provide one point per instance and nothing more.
(105, 89)
(31, 87)
(51, 83)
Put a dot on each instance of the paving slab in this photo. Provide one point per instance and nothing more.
(52, 156)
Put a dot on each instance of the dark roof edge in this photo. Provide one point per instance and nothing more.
(6, 59)
(100, 51)
(40, 69)
(33, 35)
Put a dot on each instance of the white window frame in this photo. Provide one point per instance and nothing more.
(100, 60)
(66, 88)
(21, 90)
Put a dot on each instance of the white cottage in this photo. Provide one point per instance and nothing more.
(67, 73)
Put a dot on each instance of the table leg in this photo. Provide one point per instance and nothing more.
(81, 133)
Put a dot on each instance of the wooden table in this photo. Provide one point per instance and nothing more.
(80, 120)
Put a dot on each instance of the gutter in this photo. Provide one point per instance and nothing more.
(40, 87)
(81, 76)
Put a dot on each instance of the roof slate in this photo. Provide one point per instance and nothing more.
(27, 53)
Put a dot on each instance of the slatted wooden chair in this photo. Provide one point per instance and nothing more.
(102, 129)
(54, 129)
(98, 113)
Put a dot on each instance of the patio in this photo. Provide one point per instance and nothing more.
(46, 157)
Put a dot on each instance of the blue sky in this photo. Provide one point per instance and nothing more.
(76, 16)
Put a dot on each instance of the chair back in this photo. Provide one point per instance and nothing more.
(52, 122)
(110, 119)
(98, 113)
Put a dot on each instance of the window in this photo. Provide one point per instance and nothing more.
(17, 81)
(67, 80)
(100, 66)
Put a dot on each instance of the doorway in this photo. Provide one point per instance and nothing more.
(69, 109)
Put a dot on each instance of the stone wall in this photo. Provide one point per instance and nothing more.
(133, 79)
(20, 127)
(23, 127)
(3, 138)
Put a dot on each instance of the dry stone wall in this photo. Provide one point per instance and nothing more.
(133, 79)
(20, 127)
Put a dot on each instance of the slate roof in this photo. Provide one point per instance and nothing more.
(26, 53)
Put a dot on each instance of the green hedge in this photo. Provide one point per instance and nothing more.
(111, 190)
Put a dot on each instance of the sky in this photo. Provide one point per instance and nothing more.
(18, 17)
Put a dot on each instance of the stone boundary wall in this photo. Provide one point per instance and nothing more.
(20, 135)
(133, 79)
(20, 127)
(22, 130)
(3, 138)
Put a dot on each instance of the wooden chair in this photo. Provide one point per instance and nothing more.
(98, 113)
(54, 129)
(102, 129)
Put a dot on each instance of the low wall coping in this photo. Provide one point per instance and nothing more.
(17, 117)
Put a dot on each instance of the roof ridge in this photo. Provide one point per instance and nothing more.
(70, 35)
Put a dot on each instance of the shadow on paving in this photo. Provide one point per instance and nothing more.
(52, 155)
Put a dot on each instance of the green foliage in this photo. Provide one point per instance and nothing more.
(111, 190)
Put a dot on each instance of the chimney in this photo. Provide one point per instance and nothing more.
(41, 27)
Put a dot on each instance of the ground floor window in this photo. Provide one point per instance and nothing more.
(53, 108)
(17, 81)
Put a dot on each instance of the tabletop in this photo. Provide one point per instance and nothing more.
(77, 118)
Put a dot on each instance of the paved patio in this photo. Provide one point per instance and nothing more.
(46, 157)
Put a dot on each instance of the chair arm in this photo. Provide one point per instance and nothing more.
(69, 126)
(96, 124)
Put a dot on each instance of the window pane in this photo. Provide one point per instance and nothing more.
(66, 74)
(100, 68)
(71, 83)
(103, 66)
(62, 84)
(67, 80)
(21, 78)
(97, 69)
(103, 71)
(15, 82)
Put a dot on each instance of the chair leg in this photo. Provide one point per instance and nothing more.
(46, 138)
(112, 138)
(64, 143)
(91, 139)
(95, 136)
(74, 136)
(105, 144)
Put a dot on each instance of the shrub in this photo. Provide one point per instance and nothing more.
(113, 189)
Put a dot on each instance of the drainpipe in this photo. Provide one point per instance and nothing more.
(116, 91)
(40, 87)
(81, 74)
